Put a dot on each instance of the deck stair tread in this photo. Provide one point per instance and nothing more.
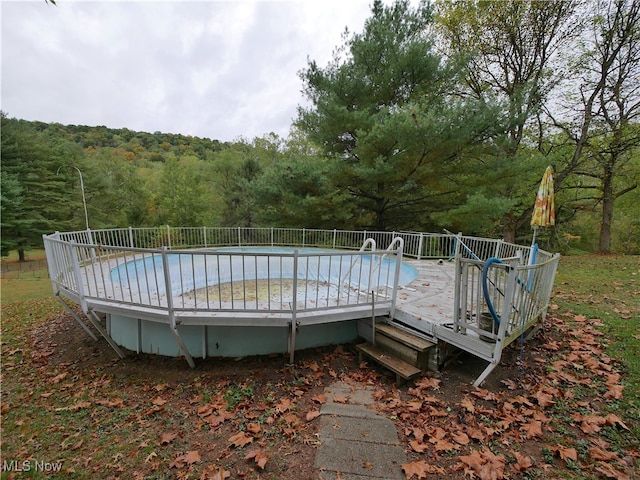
(402, 369)
(412, 341)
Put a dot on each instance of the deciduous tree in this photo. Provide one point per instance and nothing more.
(515, 51)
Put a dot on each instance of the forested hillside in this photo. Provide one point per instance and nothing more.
(433, 117)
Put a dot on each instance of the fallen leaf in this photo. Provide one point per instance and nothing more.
(461, 438)
(613, 420)
(313, 366)
(609, 472)
(567, 453)
(283, 405)
(544, 399)
(428, 382)
(188, 458)
(589, 427)
(340, 399)
(321, 399)
(150, 457)
(511, 385)
(253, 427)
(158, 401)
(615, 392)
(152, 410)
(484, 394)
(259, 456)
(522, 462)
(437, 433)
(118, 402)
(474, 460)
(58, 378)
(240, 439)
(444, 445)
(312, 414)
(602, 455)
(420, 469)
(418, 433)
(192, 457)
(214, 421)
(213, 472)
(468, 405)
(419, 446)
(533, 429)
(167, 438)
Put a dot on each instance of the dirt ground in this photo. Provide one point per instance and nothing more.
(162, 419)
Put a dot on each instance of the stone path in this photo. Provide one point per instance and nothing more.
(355, 442)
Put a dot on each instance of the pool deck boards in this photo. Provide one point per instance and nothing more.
(428, 300)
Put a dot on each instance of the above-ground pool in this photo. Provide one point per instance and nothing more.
(202, 292)
(233, 300)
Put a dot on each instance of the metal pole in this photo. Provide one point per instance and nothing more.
(84, 199)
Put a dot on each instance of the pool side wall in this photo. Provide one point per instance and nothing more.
(224, 341)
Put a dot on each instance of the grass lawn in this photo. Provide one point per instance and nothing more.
(607, 288)
(26, 281)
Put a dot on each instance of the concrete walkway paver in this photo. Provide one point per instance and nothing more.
(355, 442)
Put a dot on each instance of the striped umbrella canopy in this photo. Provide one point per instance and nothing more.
(544, 213)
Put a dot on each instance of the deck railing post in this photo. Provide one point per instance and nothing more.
(76, 269)
(131, 244)
(294, 308)
(396, 280)
(457, 304)
(420, 244)
(170, 311)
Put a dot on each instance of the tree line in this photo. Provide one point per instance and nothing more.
(439, 115)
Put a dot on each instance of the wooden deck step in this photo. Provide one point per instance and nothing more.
(412, 341)
(403, 370)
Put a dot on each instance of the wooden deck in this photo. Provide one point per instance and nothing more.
(427, 301)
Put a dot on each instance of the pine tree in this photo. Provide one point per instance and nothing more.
(33, 197)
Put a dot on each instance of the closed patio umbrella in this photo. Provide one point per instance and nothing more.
(544, 214)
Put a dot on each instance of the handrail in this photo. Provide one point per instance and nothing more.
(369, 241)
(389, 249)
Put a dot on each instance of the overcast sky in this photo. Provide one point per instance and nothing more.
(217, 69)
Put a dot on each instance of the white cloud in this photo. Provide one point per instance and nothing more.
(217, 69)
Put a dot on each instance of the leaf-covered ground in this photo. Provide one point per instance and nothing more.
(561, 407)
